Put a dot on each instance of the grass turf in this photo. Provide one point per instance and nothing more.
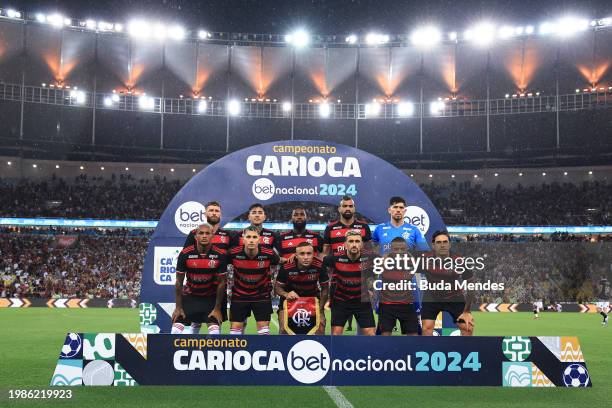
(30, 341)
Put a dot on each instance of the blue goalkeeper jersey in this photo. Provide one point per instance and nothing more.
(385, 233)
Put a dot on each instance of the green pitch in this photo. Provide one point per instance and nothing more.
(30, 341)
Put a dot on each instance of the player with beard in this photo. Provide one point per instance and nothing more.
(288, 241)
(335, 233)
(351, 277)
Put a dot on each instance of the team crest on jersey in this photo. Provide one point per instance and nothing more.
(212, 263)
(406, 235)
(266, 240)
(261, 264)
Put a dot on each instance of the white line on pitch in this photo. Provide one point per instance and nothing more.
(336, 396)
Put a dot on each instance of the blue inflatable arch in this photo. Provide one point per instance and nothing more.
(297, 170)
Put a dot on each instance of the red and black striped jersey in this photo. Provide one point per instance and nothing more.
(304, 282)
(288, 241)
(349, 277)
(202, 269)
(222, 239)
(252, 276)
(267, 239)
(437, 273)
(335, 233)
(395, 296)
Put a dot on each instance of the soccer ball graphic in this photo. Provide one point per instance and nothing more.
(576, 375)
(72, 345)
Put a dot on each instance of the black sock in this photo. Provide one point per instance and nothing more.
(603, 314)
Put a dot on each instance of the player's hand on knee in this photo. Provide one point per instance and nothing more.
(178, 313)
(216, 314)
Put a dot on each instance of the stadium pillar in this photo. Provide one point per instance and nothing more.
(93, 97)
(229, 94)
(488, 102)
(293, 89)
(557, 64)
(23, 65)
(421, 75)
(357, 58)
(162, 104)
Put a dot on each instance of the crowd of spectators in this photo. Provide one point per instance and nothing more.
(38, 263)
(121, 197)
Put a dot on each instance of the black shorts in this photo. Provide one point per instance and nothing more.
(197, 309)
(405, 313)
(431, 308)
(341, 312)
(240, 311)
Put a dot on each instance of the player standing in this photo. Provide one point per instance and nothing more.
(203, 267)
(397, 227)
(252, 282)
(351, 276)
(257, 216)
(452, 301)
(335, 233)
(394, 304)
(302, 277)
(287, 242)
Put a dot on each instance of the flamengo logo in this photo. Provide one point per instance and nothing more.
(189, 215)
(308, 361)
(263, 189)
(418, 217)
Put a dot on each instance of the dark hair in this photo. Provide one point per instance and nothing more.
(298, 207)
(304, 244)
(395, 200)
(438, 233)
(255, 205)
(216, 203)
(251, 228)
(398, 239)
(345, 198)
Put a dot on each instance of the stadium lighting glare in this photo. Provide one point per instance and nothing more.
(160, 31)
(108, 102)
(286, 106)
(102, 168)
(172, 170)
(55, 20)
(193, 170)
(436, 107)
(452, 176)
(115, 98)
(568, 26)
(234, 107)
(104, 26)
(529, 30)
(90, 24)
(405, 109)
(10, 13)
(151, 169)
(452, 36)
(9, 163)
(372, 109)
(41, 18)
(496, 174)
(35, 165)
(202, 105)
(506, 32)
(118, 27)
(299, 38)
(426, 37)
(475, 175)
(324, 110)
(146, 102)
(57, 166)
(351, 39)
(547, 28)
(376, 39)
(565, 173)
(81, 168)
(139, 29)
(590, 172)
(520, 174)
(203, 35)
(67, 21)
(78, 96)
(543, 173)
(176, 33)
(482, 34)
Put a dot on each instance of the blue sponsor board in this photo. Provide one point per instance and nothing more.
(164, 359)
(283, 226)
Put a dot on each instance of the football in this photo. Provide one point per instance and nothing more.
(576, 375)
(72, 346)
